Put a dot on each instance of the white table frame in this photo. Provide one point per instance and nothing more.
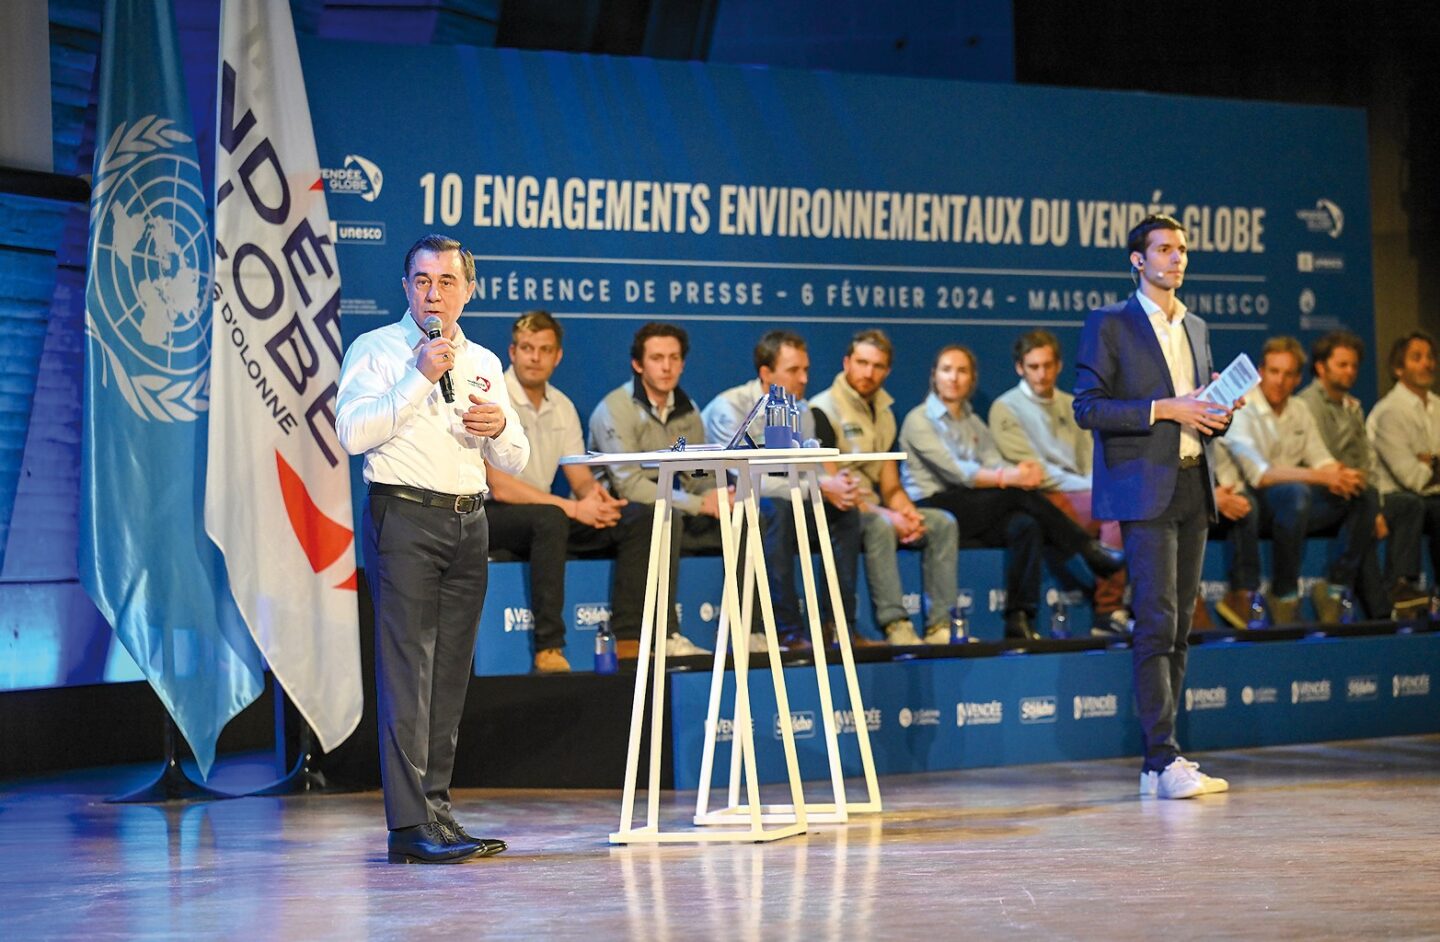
(803, 480)
(745, 513)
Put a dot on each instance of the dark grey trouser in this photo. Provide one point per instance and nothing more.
(427, 571)
(1165, 555)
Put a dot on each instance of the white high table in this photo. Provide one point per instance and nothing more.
(803, 481)
(746, 465)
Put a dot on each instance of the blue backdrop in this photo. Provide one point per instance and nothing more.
(942, 211)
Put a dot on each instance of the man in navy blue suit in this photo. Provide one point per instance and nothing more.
(1140, 366)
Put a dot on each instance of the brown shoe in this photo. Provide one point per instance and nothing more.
(551, 661)
(627, 649)
(1285, 611)
(1408, 600)
(1234, 608)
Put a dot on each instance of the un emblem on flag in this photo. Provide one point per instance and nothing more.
(148, 300)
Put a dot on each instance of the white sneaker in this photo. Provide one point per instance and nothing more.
(677, 645)
(1181, 779)
(937, 634)
(901, 633)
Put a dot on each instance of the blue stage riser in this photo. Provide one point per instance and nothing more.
(506, 628)
(929, 715)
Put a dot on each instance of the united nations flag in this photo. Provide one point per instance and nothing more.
(144, 555)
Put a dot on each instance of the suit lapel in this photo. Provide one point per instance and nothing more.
(1147, 344)
(1195, 334)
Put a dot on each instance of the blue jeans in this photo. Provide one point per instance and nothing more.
(1291, 512)
(781, 547)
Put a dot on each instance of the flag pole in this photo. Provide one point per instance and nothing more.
(303, 778)
(171, 784)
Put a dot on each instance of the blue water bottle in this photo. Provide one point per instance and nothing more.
(777, 419)
(605, 660)
(1259, 612)
(1059, 616)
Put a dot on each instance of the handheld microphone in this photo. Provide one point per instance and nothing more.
(431, 326)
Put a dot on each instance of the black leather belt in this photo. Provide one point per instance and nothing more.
(460, 503)
(1189, 462)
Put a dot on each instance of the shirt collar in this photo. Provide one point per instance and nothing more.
(1029, 393)
(935, 408)
(1425, 403)
(1153, 311)
(415, 336)
(518, 397)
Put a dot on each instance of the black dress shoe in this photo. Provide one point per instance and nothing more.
(489, 846)
(1018, 627)
(1103, 560)
(429, 843)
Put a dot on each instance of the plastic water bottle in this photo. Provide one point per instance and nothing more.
(777, 419)
(960, 621)
(1435, 605)
(1059, 617)
(792, 418)
(1259, 613)
(1347, 607)
(606, 661)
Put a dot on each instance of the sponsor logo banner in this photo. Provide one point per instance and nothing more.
(1038, 710)
(1310, 691)
(1326, 217)
(1410, 685)
(802, 724)
(589, 615)
(349, 232)
(845, 721)
(1250, 696)
(919, 716)
(1092, 707)
(1205, 698)
(519, 619)
(1362, 688)
(986, 713)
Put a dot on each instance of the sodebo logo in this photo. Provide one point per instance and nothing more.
(1362, 688)
(802, 724)
(1038, 710)
(591, 614)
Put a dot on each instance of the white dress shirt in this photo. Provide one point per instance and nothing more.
(1260, 438)
(553, 431)
(1175, 344)
(409, 434)
(1403, 426)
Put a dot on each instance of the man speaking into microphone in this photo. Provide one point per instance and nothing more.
(426, 540)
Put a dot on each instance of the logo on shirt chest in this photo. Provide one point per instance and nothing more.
(851, 430)
(480, 383)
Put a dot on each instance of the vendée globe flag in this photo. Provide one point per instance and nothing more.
(277, 498)
(144, 557)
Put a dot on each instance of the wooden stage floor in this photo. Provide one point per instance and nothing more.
(1339, 840)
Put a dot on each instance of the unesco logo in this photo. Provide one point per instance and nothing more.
(358, 233)
(922, 716)
(519, 619)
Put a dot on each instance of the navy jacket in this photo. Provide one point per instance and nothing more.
(1119, 371)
